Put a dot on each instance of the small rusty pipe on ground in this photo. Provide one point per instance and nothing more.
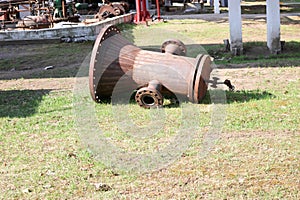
(150, 96)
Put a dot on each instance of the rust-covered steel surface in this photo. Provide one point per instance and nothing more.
(150, 95)
(173, 46)
(112, 9)
(153, 74)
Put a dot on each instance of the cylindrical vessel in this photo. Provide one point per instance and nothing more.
(114, 57)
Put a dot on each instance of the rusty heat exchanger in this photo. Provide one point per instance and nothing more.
(117, 64)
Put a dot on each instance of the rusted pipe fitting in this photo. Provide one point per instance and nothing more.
(150, 97)
(173, 46)
(115, 59)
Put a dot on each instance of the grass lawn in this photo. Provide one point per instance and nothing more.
(256, 156)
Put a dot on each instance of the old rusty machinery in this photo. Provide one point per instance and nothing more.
(116, 64)
(36, 14)
(112, 9)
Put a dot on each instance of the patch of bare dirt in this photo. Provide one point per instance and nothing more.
(38, 84)
(33, 72)
(241, 78)
(24, 60)
(259, 78)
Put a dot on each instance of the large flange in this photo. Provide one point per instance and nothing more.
(198, 85)
(94, 76)
(149, 98)
(173, 46)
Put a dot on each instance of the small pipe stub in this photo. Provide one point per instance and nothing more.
(150, 97)
(173, 46)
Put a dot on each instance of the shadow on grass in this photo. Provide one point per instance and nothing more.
(256, 54)
(241, 96)
(20, 103)
(231, 97)
(249, 95)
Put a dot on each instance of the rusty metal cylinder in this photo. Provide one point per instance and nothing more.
(114, 58)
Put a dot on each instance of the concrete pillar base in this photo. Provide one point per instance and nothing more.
(235, 24)
(273, 26)
(237, 51)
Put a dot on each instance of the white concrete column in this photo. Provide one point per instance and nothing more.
(235, 23)
(216, 7)
(273, 26)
